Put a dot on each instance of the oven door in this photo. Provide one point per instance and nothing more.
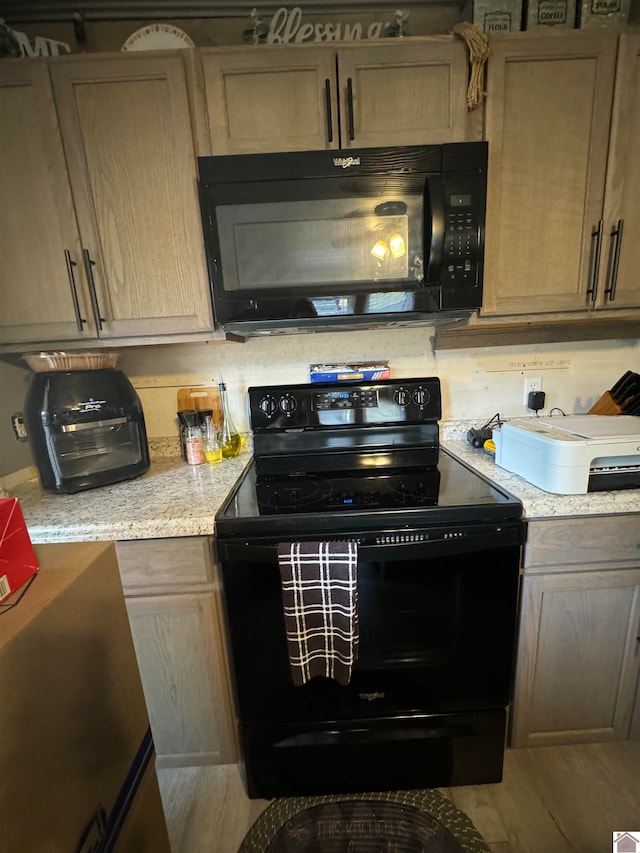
(436, 625)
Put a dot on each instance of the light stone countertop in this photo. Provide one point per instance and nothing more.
(170, 499)
(537, 503)
(176, 499)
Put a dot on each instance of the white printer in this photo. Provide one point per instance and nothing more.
(572, 455)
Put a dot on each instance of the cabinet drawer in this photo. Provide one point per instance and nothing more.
(582, 541)
(169, 563)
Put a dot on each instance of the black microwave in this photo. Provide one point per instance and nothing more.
(328, 239)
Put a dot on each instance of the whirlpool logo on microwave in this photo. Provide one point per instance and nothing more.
(345, 162)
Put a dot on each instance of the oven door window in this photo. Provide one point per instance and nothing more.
(435, 635)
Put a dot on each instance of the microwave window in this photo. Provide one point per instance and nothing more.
(328, 241)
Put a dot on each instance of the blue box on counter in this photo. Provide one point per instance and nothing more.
(351, 371)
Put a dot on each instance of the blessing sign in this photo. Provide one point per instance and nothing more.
(286, 26)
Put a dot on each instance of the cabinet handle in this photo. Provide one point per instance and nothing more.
(327, 96)
(88, 265)
(80, 320)
(596, 248)
(614, 259)
(352, 127)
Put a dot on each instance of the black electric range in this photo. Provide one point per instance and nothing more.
(438, 557)
(330, 458)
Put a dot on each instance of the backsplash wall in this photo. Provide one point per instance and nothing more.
(476, 383)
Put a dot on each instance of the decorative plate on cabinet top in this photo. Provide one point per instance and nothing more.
(158, 37)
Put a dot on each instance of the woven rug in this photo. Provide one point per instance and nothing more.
(395, 822)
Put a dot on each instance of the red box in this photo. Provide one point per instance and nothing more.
(18, 561)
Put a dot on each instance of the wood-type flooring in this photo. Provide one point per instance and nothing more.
(560, 799)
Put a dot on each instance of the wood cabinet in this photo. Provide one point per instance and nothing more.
(561, 174)
(173, 601)
(618, 282)
(106, 142)
(39, 236)
(304, 97)
(578, 657)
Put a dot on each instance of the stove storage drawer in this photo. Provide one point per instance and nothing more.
(426, 751)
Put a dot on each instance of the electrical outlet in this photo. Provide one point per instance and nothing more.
(531, 383)
(19, 428)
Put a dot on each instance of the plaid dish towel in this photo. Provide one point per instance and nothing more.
(320, 600)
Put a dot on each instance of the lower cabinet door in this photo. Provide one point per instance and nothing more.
(180, 656)
(578, 657)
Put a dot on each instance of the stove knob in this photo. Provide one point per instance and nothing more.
(421, 396)
(402, 396)
(288, 404)
(268, 406)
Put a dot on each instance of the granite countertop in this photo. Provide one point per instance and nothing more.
(176, 499)
(170, 499)
(537, 504)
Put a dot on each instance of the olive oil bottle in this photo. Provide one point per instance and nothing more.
(230, 439)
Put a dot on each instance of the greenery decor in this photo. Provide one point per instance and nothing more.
(396, 28)
(258, 31)
(8, 42)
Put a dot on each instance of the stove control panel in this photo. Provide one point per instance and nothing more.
(343, 404)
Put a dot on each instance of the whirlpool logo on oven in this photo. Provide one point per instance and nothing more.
(371, 697)
(345, 162)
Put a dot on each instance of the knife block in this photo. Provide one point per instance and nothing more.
(606, 405)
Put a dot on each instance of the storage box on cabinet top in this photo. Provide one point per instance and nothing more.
(547, 14)
(604, 14)
(498, 16)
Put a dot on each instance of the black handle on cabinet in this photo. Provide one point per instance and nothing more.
(352, 127)
(614, 259)
(80, 320)
(327, 95)
(88, 265)
(596, 248)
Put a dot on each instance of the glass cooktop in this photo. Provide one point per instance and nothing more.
(449, 491)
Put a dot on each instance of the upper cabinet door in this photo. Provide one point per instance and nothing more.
(271, 98)
(547, 122)
(41, 291)
(126, 129)
(620, 281)
(403, 92)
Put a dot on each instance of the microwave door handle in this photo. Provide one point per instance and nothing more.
(434, 202)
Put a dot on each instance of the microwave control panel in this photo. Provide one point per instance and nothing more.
(461, 231)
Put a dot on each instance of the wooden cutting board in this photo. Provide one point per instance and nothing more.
(201, 398)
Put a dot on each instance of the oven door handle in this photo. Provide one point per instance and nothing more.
(500, 536)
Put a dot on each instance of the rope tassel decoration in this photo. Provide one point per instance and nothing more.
(478, 45)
